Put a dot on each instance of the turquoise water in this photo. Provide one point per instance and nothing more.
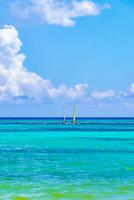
(82, 162)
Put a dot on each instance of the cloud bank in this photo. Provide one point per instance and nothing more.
(16, 82)
(19, 84)
(58, 12)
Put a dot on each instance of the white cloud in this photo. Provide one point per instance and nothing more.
(102, 94)
(17, 82)
(132, 88)
(59, 12)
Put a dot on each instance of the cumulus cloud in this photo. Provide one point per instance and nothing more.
(102, 94)
(16, 82)
(58, 12)
(127, 95)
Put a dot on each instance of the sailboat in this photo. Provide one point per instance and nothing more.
(74, 115)
(74, 121)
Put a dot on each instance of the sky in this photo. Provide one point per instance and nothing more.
(56, 53)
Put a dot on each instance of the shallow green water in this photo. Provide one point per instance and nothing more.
(51, 162)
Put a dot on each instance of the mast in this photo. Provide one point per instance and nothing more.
(74, 115)
(64, 116)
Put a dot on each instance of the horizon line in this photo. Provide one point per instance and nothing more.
(66, 117)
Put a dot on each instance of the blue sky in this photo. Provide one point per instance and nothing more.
(96, 51)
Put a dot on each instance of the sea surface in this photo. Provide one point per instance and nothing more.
(89, 161)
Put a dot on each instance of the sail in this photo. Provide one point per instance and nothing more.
(74, 115)
(64, 116)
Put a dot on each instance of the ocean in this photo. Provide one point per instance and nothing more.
(91, 161)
